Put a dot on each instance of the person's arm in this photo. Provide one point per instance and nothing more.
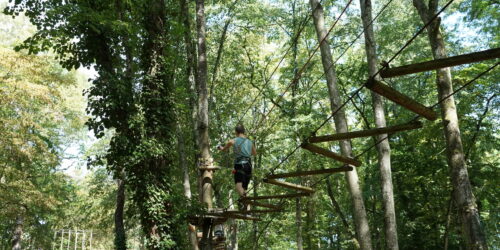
(254, 151)
(227, 146)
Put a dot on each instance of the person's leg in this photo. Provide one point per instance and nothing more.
(239, 188)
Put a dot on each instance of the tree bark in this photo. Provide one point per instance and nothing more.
(383, 148)
(462, 191)
(298, 219)
(120, 237)
(360, 218)
(205, 159)
(18, 233)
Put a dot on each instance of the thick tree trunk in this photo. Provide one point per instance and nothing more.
(120, 237)
(202, 127)
(462, 191)
(360, 218)
(383, 148)
(18, 233)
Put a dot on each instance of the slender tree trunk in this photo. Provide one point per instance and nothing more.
(233, 227)
(18, 233)
(181, 147)
(462, 191)
(298, 219)
(120, 237)
(360, 218)
(203, 136)
(383, 148)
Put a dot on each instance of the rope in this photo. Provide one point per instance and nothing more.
(294, 41)
(419, 116)
(301, 70)
(299, 75)
(341, 55)
(361, 87)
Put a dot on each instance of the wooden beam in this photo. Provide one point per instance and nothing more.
(258, 204)
(366, 133)
(330, 154)
(403, 100)
(289, 185)
(441, 63)
(311, 172)
(254, 211)
(209, 168)
(242, 217)
(280, 196)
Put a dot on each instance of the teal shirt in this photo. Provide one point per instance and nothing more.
(242, 149)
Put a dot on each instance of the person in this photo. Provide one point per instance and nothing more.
(243, 149)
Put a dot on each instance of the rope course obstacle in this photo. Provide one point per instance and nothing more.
(309, 143)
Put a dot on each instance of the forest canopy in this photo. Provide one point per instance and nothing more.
(113, 115)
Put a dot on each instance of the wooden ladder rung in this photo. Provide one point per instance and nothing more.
(280, 196)
(258, 204)
(311, 172)
(441, 63)
(403, 100)
(330, 154)
(366, 133)
(289, 185)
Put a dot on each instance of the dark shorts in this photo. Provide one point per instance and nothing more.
(243, 174)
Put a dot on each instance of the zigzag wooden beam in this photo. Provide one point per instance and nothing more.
(366, 133)
(280, 196)
(441, 63)
(403, 100)
(311, 172)
(318, 150)
(289, 185)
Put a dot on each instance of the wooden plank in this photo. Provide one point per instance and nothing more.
(280, 196)
(254, 211)
(209, 168)
(441, 63)
(289, 185)
(311, 172)
(330, 154)
(403, 100)
(366, 133)
(258, 204)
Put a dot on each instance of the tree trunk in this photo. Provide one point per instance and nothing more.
(181, 147)
(383, 148)
(360, 218)
(18, 233)
(120, 237)
(462, 191)
(298, 219)
(202, 127)
(233, 227)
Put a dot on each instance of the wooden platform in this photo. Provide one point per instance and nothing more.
(289, 185)
(366, 133)
(325, 152)
(403, 100)
(279, 196)
(441, 63)
(311, 172)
